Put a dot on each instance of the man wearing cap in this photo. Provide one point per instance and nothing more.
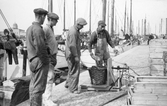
(100, 39)
(72, 53)
(38, 57)
(53, 49)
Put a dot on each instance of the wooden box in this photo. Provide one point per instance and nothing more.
(157, 49)
(148, 91)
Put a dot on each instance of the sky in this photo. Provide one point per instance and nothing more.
(21, 12)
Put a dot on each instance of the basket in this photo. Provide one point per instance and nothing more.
(98, 75)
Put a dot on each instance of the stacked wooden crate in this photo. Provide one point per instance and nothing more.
(157, 49)
(148, 91)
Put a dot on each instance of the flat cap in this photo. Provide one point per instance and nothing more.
(53, 16)
(101, 22)
(40, 11)
(81, 21)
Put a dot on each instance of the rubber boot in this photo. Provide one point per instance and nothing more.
(47, 96)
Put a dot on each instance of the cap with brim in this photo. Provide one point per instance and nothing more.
(102, 23)
(40, 11)
(53, 16)
(81, 21)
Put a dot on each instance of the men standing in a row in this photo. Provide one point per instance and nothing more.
(38, 57)
(72, 53)
(53, 49)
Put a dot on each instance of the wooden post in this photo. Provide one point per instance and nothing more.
(24, 61)
(5, 67)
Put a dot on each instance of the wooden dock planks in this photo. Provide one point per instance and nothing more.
(148, 91)
(157, 48)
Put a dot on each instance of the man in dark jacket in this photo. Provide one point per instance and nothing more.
(38, 57)
(72, 53)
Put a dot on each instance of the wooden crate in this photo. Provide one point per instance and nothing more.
(148, 91)
(151, 79)
(157, 47)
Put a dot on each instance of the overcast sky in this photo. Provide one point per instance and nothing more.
(21, 12)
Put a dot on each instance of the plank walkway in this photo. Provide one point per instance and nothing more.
(136, 59)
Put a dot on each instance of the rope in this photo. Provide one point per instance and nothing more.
(134, 71)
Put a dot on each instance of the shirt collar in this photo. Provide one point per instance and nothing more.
(99, 31)
(50, 26)
(36, 23)
(75, 26)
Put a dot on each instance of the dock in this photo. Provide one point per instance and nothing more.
(136, 58)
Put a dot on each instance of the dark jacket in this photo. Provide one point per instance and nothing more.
(73, 43)
(36, 45)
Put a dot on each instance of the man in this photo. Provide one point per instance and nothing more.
(10, 46)
(53, 49)
(72, 53)
(100, 39)
(38, 57)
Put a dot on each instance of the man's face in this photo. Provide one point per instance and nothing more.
(80, 26)
(101, 27)
(6, 33)
(43, 18)
(54, 22)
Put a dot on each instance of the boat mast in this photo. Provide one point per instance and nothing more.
(112, 18)
(50, 6)
(166, 27)
(125, 21)
(145, 27)
(108, 17)
(90, 15)
(74, 11)
(104, 11)
(131, 17)
(64, 13)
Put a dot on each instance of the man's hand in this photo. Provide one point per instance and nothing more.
(96, 58)
(76, 59)
(53, 59)
(91, 53)
(115, 51)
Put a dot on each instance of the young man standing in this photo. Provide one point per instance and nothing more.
(72, 53)
(53, 49)
(38, 57)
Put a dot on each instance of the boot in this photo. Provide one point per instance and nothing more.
(47, 98)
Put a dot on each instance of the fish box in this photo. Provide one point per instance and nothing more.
(148, 91)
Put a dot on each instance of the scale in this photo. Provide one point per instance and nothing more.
(112, 83)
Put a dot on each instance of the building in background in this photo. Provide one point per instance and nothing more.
(17, 31)
(20, 33)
